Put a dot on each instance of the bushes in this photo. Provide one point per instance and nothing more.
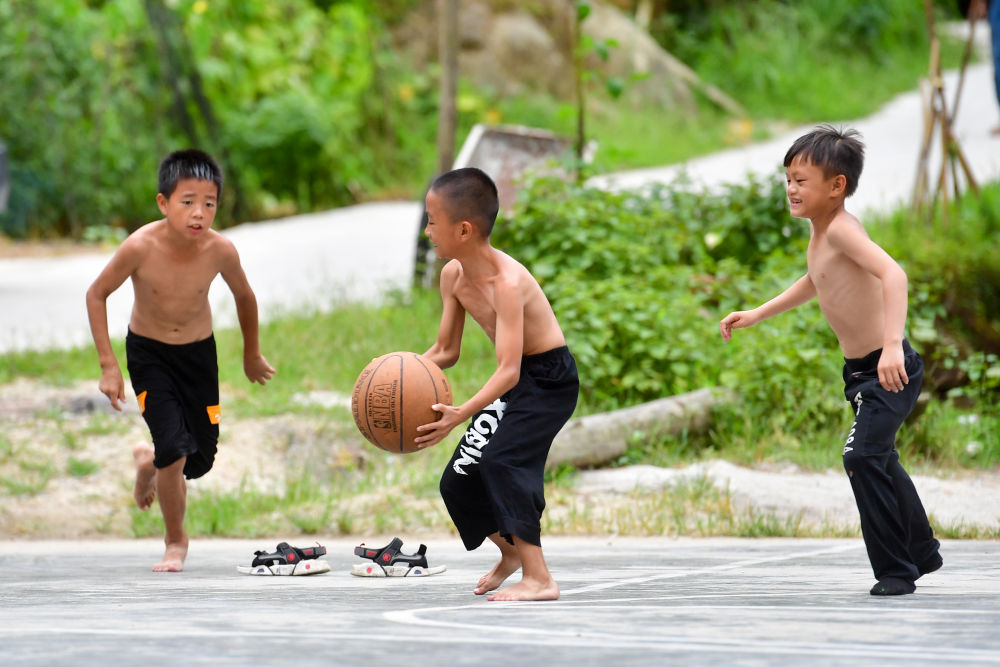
(300, 103)
(639, 282)
(812, 47)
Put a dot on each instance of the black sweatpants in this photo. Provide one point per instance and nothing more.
(897, 535)
(495, 479)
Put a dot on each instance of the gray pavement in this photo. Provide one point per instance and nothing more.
(892, 139)
(310, 261)
(625, 601)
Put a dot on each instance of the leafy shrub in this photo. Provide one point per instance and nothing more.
(640, 280)
(882, 43)
(302, 102)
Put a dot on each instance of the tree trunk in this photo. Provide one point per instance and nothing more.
(448, 55)
(596, 439)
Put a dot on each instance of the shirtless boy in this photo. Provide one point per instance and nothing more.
(170, 348)
(493, 485)
(862, 295)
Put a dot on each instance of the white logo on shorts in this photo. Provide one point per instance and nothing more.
(850, 436)
(478, 435)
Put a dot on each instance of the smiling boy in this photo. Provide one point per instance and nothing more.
(862, 294)
(493, 487)
(170, 347)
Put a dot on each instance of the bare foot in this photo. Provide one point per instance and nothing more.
(528, 589)
(995, 131)
(506, 566)
(173, 559)
(144, 490)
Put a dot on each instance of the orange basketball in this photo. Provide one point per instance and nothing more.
(393, 396)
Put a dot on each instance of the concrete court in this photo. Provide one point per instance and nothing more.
(625, 601)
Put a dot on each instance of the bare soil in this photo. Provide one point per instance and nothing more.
(66, 470)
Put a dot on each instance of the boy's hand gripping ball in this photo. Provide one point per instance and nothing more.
(393, 396)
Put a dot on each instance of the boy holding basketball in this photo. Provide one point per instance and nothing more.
(862, 294)
(493, 485)
(170, 348)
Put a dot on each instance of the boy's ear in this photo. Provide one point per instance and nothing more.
(466, 230)
(839, 185)
(161, 201)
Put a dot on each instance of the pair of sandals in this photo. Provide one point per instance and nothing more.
(389, 561)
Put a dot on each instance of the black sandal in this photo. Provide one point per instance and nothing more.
(288, 560)
(392, 562)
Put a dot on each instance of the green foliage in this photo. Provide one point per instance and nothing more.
(957, 288)
(640, 280)
(80, 468)
(812, 47)
(303, 103)
(309, 104)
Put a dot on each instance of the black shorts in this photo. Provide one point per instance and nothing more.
(177, 387)
(494, 482)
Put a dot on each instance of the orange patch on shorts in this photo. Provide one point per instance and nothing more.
(141, 398)
(214, 414)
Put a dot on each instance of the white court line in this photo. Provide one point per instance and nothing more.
(714, 568)
(551, 637)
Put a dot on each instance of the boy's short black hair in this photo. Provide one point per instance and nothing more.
(188, 163)
(835, 151)
(469, 194)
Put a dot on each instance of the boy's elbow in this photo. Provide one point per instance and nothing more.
(512, 375)
(95, 295)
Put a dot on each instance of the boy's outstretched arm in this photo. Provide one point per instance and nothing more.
(853, 242)
(801, 291)
(118, 269)
(509, 347)
(254, 364)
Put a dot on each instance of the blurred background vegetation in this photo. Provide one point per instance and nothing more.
(311, 104)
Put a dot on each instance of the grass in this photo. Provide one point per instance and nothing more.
(324, 351)
(80, 468)
(772, 70)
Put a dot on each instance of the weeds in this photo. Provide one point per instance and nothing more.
(79, 468)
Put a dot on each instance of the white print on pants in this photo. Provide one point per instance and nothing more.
(850, 436)
(478, 435)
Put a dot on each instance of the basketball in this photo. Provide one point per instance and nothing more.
(393, 396)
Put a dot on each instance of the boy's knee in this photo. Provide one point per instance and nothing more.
(857, 464)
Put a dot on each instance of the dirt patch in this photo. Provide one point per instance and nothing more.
(66, 467)
(66, 471)
(55, 248)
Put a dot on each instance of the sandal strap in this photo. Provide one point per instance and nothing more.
(285, 554)
(390, 554)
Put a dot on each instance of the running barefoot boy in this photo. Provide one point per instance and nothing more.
(493, 485)
(170, 348)
(862, 294)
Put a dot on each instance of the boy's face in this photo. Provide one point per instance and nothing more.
(191, 207)
(808, 189)
(440, 229)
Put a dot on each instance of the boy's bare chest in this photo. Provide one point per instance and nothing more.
(825, 263)
(175, 277)
(478, 302)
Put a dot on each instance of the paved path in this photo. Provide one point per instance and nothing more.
(357, 252)
(892, 138)
(634, 601)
